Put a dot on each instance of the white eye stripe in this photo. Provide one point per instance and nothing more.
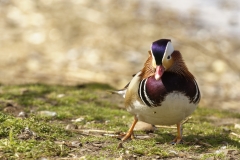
(169, 49)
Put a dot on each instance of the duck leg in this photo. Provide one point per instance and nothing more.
(130, 131)
(178, 138)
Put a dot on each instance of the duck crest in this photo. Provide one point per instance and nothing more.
(148, 69)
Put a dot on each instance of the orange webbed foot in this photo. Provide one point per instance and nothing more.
(178, 139)
(130, 131)
(128, 136)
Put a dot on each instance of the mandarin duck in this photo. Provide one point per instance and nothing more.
(164, 92)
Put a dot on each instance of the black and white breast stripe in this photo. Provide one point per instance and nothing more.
(197, 96)
(153, 92)
(143, 94)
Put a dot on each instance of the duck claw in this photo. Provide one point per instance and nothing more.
(128, 136)
(177, 141)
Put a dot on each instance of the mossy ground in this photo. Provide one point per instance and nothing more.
(88, 121)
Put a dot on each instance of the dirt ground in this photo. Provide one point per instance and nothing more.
(72, 42)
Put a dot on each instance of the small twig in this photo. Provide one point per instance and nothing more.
(197, 141)
(235, 134)
(143, 136)
(186, 120)
(95, 131)
(162, 126)
(112, 135)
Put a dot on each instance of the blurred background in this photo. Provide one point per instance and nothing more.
(106, 41)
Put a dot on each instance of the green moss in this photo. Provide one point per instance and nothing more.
(93, 104)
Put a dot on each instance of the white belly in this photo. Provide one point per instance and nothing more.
(173, 109)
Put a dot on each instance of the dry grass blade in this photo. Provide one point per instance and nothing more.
(95, 131)
(161, 126)
(186, 120)
(235, 134)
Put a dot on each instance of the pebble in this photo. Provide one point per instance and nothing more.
(222, 150)
(42, 158)
(82, 158)
(22, 114)
(47, 113)
(142, 126)
(10, 110)
(71, 127)
(75, 144)
(78, 119)
(223, 147)
(237, 126)
(60, 95)
(135, 156)
(227, 130)
(173, 153)
(127, 152)
(181, 154)
(27, 134)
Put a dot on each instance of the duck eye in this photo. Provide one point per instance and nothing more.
(168, 57)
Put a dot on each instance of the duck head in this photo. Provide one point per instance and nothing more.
(161, 51)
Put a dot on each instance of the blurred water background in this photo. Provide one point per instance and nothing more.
(80, 41)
